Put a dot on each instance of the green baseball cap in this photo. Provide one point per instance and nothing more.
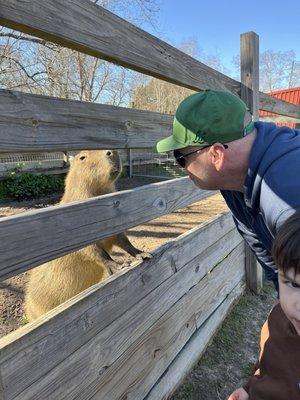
(206, 118)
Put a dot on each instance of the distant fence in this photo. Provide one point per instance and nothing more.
(138, 162)
(48, 163)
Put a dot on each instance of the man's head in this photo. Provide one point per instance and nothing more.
(203, 123)
(205, 118)
(286, 254)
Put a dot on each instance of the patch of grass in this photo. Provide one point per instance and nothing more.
(229, 359)
(247, 369)
(186, 391)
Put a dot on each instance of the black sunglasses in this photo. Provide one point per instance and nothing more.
(180, 158)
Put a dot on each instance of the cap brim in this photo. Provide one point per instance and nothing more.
(168, 144)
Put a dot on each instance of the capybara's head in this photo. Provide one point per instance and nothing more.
(95, 168)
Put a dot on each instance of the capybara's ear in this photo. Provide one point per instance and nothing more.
(71, 159)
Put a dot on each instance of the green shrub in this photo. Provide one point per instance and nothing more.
(21, 186)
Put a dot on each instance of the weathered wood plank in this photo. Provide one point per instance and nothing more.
(34, 350)
(249, 43)
(277, 106)
(39, 123)
(34, 237)
(282, 119)
(89, 28)
(250, 78)
(130, 355)
(194, 349)
(254, 272)
(135, 372)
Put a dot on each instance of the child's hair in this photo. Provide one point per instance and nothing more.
(286, 245)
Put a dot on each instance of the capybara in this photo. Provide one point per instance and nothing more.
(92, 173)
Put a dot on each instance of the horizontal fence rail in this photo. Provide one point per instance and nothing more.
(32, 238)
(193, 350)
(91, 29)
(107, 342)
(39, 123)
(270, 103)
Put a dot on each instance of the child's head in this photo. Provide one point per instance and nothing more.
(286, 254)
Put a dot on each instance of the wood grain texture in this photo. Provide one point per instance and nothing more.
(33, 351)
(284, 120)
(147, 359)
(39, 123)
(86, 27)
(194, 349)
(269, 103)
(250, 78)
(115, 353)
(32, 238)
(89, 28)
(249, 53)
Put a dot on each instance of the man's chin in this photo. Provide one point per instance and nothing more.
(201, 184)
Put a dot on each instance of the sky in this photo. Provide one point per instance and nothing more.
(217, 24)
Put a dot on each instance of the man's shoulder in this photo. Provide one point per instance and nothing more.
(280, 189)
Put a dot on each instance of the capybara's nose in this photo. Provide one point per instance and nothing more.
(114, 157)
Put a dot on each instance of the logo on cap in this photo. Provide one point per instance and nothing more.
(199, 138)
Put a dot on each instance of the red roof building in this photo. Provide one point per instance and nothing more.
(291, 96)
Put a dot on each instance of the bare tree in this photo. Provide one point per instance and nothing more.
(278, 70)
(36, 66)
(156, 95)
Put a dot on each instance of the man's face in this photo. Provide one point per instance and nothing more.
(289, 289)
(199, 167)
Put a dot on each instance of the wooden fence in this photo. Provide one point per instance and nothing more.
(135, 335)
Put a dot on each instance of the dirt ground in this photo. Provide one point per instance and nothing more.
(226, 362)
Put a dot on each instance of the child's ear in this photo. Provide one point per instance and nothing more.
(216, 152)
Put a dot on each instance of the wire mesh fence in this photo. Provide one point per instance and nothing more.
(144, 162)
(140, 162)
(32, 162)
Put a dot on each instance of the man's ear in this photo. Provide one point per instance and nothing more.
(216, 153)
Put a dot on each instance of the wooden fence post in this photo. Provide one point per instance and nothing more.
(250, 80)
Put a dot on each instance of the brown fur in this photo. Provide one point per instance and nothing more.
(92, 173)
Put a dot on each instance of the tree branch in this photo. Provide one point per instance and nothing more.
(24, 69)
(28, 39)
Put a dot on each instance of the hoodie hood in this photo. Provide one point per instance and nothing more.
(271, 146)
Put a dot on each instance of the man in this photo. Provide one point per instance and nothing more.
(255, 165)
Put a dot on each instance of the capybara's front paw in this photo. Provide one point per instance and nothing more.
(125, 264)
(144, 255)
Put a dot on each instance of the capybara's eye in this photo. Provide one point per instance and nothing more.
(82, 157)
(108, 153)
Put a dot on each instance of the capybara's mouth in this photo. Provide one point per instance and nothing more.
(116, 167)
(115, 172)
